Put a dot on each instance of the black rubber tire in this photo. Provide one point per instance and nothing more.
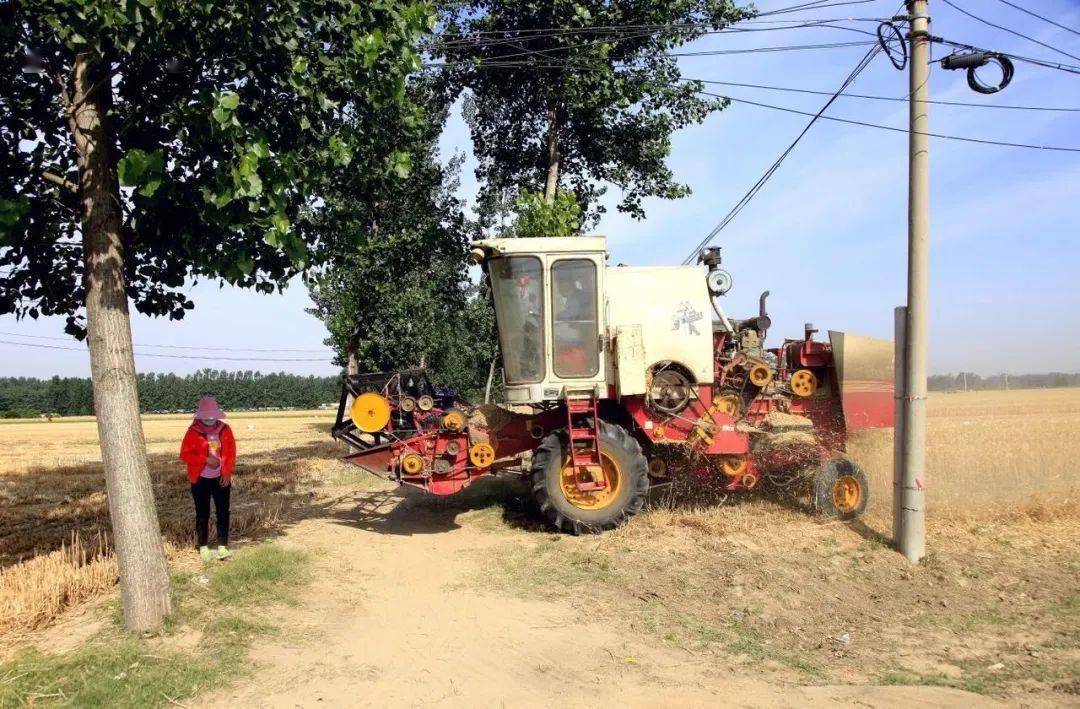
(825, 479)
(547, 464)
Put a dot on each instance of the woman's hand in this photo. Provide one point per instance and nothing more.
(224, 481)
(212, 461)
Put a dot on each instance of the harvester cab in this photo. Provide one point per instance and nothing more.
(569, 325)
(618, 378)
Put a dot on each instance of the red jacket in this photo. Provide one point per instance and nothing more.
(195, 450)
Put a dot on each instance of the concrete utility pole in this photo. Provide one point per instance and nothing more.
(911, 541)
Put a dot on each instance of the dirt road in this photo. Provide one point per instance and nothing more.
(396, 617)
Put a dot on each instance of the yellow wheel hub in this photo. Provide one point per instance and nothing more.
(453, 420)
(733, 466)
(607, 472)
(803, 383)
(729, 404)
(847, 493)
(370, 412)
(412, 464)
(481, 455)
(760, 375)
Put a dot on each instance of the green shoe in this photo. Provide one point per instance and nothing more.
(204, 553)
(223, 552)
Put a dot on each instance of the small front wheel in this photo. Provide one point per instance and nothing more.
(623, 471)
(841, 489)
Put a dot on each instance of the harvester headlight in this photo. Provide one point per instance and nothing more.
(719, 281)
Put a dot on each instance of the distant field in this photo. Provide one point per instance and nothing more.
(31, 445)
(989, 450)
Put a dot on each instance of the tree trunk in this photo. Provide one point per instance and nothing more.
(144, 577)
(352, 364)
(491, 376)
(552, 184)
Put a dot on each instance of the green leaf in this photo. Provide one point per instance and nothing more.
(401, 163)
(12, 212)
(300, 65)
(142, 169)
(229, 100)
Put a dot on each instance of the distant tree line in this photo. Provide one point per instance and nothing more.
(22, 397)
(972, 381)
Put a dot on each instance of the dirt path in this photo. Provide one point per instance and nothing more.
(394, 618)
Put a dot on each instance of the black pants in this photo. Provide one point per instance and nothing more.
(201, 492)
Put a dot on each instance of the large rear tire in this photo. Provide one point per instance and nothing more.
(841, 489)
(625, 471)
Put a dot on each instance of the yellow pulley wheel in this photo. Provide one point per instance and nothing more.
(412, 464)
(657, 468)
(370, 412)
(481, 455)
(803, 383)
(733, 466)
(760, 375)
(729, 404)
(453, 420)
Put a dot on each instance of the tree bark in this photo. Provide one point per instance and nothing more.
(144, 577)
(352, 365)
(551, 186)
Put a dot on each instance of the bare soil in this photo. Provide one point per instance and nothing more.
(463, 602)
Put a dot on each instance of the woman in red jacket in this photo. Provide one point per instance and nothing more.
(209, 450)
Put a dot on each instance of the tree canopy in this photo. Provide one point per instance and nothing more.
(232, 124)
(577, 92)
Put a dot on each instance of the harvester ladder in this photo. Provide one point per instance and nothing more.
(583, 428)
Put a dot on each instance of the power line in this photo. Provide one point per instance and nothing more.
(887, 98)
(756, 187)
(983, 141)
(500, 62)
(1013, 32)
(169, 356)
(176, 347)
(1044, 19)
(1070, 68)
(818, 5)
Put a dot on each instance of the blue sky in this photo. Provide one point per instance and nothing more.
(827, 235)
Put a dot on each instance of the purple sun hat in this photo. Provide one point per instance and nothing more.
(208, 409)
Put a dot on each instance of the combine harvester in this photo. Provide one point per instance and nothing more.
(617, 376)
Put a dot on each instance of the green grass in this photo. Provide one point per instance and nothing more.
(114, 672)
(225, 606)
(266, 574)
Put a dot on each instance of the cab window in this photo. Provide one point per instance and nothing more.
(517, 287)
(576, 331)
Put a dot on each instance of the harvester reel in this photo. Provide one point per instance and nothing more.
(671, 391)
(803, 383)
(370, 412)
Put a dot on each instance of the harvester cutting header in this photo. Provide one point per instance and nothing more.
(616, 377)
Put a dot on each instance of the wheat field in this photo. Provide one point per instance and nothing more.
(989, 454)
(988, 451)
